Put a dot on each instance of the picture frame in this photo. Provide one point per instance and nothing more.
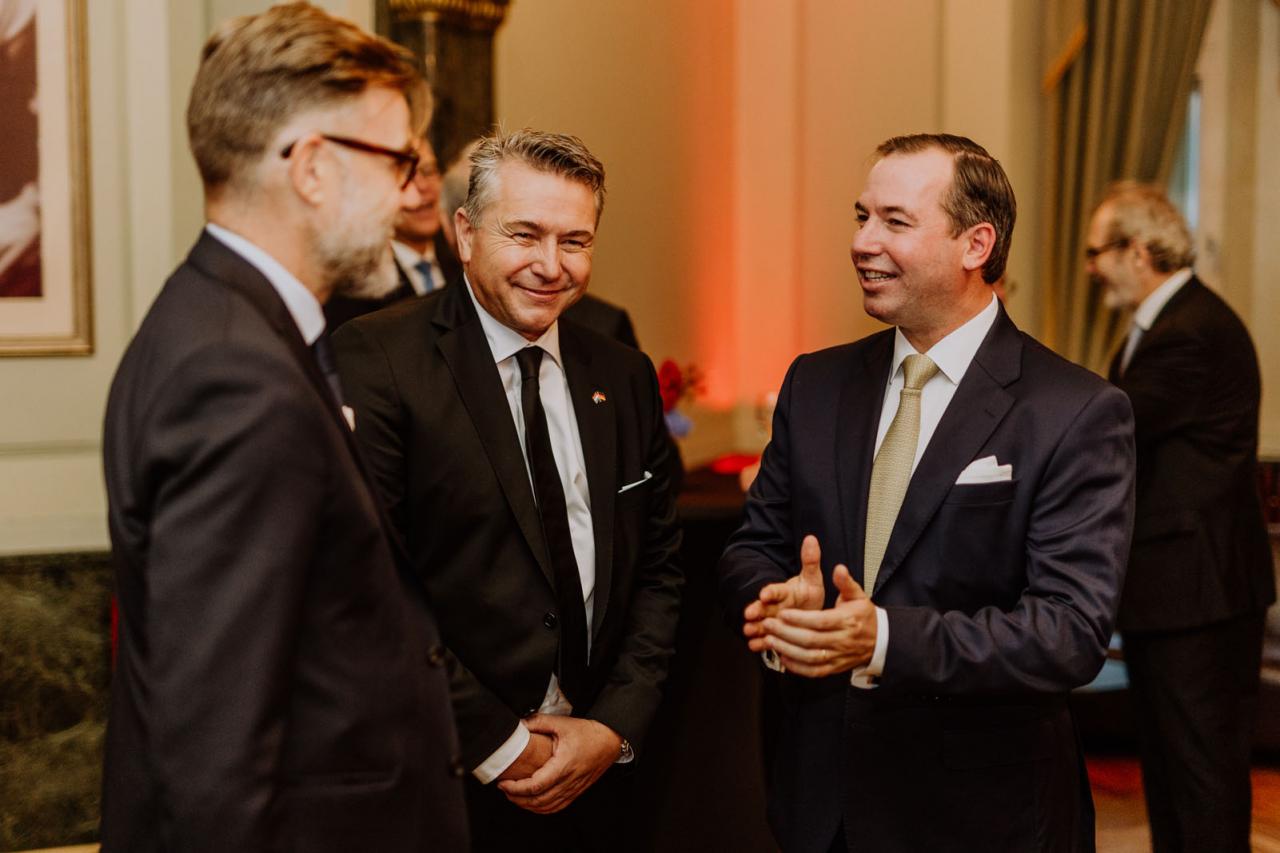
(46, 295)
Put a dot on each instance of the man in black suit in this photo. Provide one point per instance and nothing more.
(523, 458)
(279, 681)
(1200, 574)
(979, 489)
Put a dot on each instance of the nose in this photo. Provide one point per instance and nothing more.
(546, 262)
(410, 196)
(864, 242)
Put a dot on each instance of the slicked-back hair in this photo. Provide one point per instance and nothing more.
(980, 191)
(1142, 213)
(259, 71)
(555, 153)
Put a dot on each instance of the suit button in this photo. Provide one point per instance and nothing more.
(456, 770)
(549, 620)
(435, 655)
(531, 712)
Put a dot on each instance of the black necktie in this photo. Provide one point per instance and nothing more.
(555, 527)
(328, 366)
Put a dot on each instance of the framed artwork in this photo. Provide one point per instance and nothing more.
(45, 292)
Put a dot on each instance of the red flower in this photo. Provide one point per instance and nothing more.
(670, 384)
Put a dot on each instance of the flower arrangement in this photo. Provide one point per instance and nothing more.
(675, 384)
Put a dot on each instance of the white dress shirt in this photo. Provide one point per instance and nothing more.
(408, 260)
(301, 302)
(1148, 309)
(953, 355)
(566, 446)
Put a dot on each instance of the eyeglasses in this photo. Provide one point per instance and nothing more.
(1092, 252)
(406, 161)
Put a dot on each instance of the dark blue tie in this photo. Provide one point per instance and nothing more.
(328, 365)
(424, 267)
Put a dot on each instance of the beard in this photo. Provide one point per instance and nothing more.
(357, 262)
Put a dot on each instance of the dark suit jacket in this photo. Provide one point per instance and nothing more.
(435, 424)
(1000, 598)
(341, 309)
(1200, 548)
(274, 686)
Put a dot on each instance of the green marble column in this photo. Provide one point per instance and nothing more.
(54, 673)
(454, 41)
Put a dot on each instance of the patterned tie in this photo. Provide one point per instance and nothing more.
(892, 469)
(549, 493)
(424, 269)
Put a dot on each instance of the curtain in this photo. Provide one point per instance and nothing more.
(1119, 75)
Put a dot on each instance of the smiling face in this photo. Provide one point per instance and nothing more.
(915, 274)
(417, 224)
(528, 258)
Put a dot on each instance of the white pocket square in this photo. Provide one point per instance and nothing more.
(985, 470)
(648, 475)
(350, 414)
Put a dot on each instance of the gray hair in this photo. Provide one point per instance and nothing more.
(556, 153)
(1142, 213)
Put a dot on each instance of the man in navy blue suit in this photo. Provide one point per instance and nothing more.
(933, 551)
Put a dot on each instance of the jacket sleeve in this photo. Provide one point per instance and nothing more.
(631, 695)
(369, 385)
(1055, 637)
(237, 484)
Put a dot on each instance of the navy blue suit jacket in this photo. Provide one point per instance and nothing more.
(1000, 596)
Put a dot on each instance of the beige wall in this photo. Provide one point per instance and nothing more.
(145, 211)
(736, 134)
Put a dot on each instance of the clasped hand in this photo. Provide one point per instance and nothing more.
(565, 757)
(788, 618)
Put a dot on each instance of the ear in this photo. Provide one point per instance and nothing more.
(307, 169)
(979, 243)
(464, 231)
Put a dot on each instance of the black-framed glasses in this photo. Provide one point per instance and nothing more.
(1093, 252)
(406, 161)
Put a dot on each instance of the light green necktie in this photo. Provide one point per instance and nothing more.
(892, 469)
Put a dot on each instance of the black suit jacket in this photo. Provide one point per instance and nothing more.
(433, 418)
(1200, 548)
(273, 689)
(1000, 598)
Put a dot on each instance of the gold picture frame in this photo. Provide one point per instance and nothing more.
(50, 311)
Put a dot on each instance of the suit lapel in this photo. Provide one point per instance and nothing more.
(465, 350)
(979, 404)
(598, 430)
(215, 259)
(857, 420)
(1168, 313)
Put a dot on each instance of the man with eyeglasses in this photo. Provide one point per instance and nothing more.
(1200, 574)
(424, 261)
(280, 683)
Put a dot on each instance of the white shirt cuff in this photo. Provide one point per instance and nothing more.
(865, 677)
(772, 660)
(503, 757)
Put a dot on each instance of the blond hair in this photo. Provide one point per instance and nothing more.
(259, 71)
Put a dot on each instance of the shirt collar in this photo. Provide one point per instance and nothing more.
(505, 342)
(1150, 307)
(301, 302)
(954, 353)
(409, 256)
